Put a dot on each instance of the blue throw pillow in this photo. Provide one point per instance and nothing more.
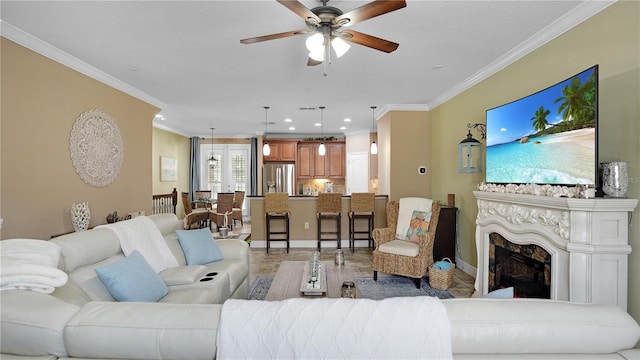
(132, 279)
(198, 246)
(506, 293)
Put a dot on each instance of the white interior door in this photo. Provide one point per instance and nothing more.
(357, 172)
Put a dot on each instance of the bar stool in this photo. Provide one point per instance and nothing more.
(329, 208)
(276, 207)
(362, 207)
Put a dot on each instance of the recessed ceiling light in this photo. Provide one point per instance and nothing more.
(317, 124)
(287, 120)
(347, 120)
(343, 128)
(291, 128)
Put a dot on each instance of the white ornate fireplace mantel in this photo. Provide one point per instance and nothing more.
(587, 240)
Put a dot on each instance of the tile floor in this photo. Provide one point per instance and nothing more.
(263, 264)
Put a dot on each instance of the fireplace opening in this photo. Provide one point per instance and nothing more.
(526, 268)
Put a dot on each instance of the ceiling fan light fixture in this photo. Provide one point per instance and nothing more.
(317, 55)
(340, 46)
(315, 43)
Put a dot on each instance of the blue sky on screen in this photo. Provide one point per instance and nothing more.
(512, 121)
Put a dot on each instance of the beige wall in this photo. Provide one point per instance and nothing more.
(610, 39)
(176, 146)
(408, 142)
(41, 100)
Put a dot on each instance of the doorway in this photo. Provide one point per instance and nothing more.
(357, 172)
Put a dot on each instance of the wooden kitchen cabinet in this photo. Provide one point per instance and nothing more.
(305, 161)
(281, 150)
(335, 160)
(313, 166)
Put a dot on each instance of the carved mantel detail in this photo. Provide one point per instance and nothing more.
(558, 221)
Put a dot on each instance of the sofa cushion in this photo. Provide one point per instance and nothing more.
(529, 326)
(132, 279)
(198, 246)
(143, 330)
(33, 323)
(87, 247)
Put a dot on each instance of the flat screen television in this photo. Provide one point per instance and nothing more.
(549, 137)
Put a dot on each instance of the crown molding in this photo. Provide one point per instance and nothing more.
(565, 23)
(43, 48)
(400, 107)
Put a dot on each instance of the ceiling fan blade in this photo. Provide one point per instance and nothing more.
(302, 11)
(369, 11)
(369, 41)
(273, 36)
(311, 62)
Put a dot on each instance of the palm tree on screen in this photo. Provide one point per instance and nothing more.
(539, 120)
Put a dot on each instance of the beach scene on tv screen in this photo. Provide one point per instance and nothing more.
(546, 138)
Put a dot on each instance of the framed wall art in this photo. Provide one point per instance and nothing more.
(168, 169)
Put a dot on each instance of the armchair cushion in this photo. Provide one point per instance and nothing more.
(407, 206)
(400, 247)
(132, 279)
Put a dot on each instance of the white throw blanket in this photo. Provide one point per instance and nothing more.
(140, 233)
(29, 264)
(394, 328)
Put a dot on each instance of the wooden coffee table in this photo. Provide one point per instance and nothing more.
(286, 283)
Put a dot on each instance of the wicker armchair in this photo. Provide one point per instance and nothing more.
(411, 266)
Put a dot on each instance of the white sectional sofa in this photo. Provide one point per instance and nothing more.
(80, 320)
(82, 252)
(39, 326)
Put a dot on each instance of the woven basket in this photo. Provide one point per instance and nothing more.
(441, 279)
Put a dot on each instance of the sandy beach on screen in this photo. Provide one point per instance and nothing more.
(583, 137)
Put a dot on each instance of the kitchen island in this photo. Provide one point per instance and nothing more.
(303, 222)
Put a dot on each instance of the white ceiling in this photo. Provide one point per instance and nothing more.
(185, 56)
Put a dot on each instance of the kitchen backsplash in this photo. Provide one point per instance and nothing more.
(315, 186)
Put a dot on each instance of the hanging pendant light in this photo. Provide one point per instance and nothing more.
(374, 146)
(212, 159)
(266, 149)
(321, 148)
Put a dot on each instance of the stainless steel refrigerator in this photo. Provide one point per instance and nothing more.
(279, 177)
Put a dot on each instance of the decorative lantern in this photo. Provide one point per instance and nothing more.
(470, 151)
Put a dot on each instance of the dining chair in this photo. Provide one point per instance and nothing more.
(238, 202)
(192, 216)
(222, 212)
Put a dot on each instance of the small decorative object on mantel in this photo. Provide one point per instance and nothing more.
(532, 189)
(96, 148)
(80, 216)
(615, 179)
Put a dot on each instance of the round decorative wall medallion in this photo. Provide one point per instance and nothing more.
(96, 148)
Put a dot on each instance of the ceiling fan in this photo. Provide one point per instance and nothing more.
(326, 24)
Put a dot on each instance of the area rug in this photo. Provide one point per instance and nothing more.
(385, 287)
(394, 286)
(260, 287)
